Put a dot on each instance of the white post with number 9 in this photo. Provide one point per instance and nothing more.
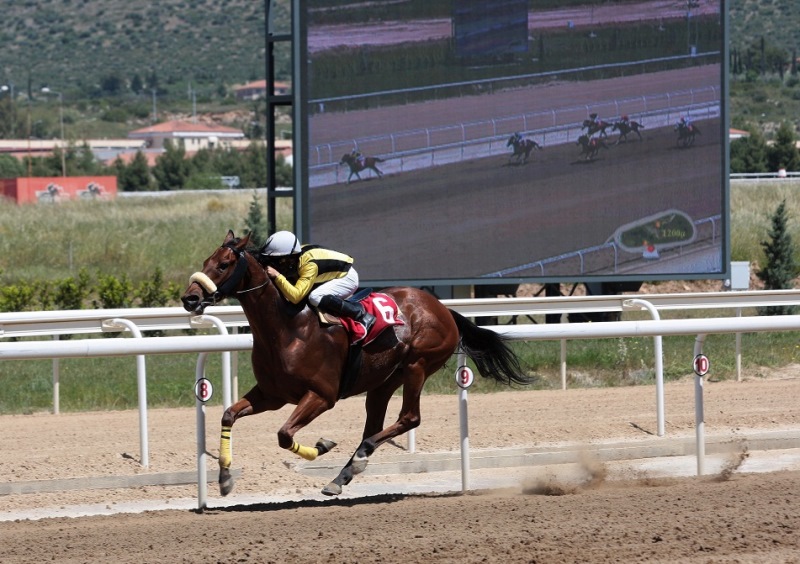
(701, 365)
(464, 379)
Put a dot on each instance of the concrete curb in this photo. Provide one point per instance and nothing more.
(109, 482)
(656, 447)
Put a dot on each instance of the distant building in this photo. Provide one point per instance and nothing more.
(258, 89)
(193, 136)
(737, 134)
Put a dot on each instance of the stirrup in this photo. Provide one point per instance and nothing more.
(368, 321)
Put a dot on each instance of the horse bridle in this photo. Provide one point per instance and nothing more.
(228, 287)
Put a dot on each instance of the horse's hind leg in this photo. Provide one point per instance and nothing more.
(374, 434)
(253, 402)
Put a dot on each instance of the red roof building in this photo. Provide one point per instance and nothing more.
(193, 136)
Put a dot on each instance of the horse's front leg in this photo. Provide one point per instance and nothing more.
(308, 408)
(253, 402)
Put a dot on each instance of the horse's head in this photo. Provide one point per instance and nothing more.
(222, 274)
(347, 158)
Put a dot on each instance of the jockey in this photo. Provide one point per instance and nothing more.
(685, 122)
(625, 119)
(356, 154)
(595, 118)
(322, 275)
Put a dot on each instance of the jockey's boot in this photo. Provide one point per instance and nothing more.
(343, 308)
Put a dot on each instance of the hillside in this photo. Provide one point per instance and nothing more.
(777, 20)
(103, 54)
(79, 45)
(76, 43)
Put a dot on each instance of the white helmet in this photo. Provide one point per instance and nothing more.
(281, 244)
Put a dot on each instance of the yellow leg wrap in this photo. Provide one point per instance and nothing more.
(309, 453)
(225, 448)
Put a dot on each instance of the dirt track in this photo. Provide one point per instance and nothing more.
(745, 518)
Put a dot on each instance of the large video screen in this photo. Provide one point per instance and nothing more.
(511, 141)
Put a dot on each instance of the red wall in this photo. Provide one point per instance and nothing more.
(58, 188)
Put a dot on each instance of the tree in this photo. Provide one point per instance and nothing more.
(137, 85)
(254, 167)
(780, 268)
(172, 169)
(256, 224)
(783, 154)
(6, 117)
(10, 167)
(81, 161)
(749, 154)
(134, 177)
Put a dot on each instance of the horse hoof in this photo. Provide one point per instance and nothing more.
(332, 489)
(225, 482)
(324, 445)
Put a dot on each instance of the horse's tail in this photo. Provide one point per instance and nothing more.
(490, 352)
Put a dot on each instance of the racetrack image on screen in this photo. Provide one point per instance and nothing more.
(458, 141)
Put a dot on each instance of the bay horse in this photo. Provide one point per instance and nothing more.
(522, 148)
(590, 147)
(297, 360)
(359, 164)
(626, 127)
(686, 134)
(595, 126)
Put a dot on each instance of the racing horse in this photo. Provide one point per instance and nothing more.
(359, 164)
(590, 147)
(626, 127)
(299, 361)
(522, 148)
(686, 134)
(595, 126)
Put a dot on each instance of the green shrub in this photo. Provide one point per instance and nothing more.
(113, 293)
(70, 292)
(153, 293)
(17, 297)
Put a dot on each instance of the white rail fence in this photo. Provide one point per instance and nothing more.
(18, 325)
(40, 324)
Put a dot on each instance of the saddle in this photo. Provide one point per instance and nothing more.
(381, 305)
(386, 313)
